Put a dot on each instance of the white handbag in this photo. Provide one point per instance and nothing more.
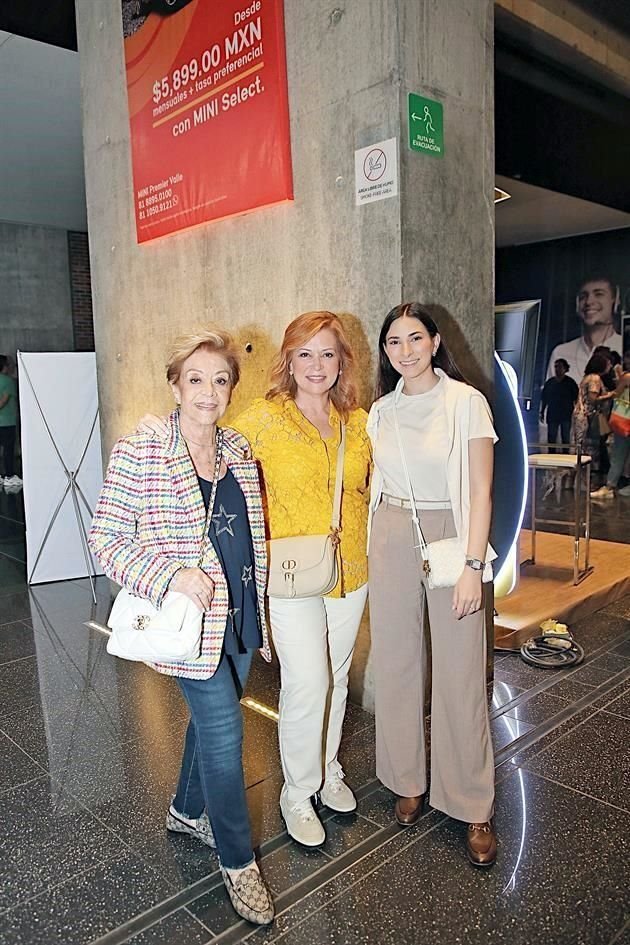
(172, 632)
(306, 565)
(443, 561)
(143, 633)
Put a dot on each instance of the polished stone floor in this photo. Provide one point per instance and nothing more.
(90, 750)
(555, 502)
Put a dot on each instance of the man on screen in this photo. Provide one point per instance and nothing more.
(596, 300)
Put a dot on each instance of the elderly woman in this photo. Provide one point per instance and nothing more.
(148, 533)
(295, 433)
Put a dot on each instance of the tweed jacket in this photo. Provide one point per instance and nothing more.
(150, 522)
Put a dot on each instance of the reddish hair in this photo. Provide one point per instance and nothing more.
(298, 333)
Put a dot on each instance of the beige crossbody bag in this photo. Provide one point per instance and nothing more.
(443, 561)
(306, 566)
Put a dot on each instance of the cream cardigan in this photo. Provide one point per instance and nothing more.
(458, 399)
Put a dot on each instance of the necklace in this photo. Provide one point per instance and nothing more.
(205, 461)
(208, 445)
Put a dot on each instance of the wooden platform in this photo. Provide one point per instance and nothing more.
(546, 589)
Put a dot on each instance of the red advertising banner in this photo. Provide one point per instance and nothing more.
(208, 110)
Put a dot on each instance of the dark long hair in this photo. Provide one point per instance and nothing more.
(597, 364)
(388, 377)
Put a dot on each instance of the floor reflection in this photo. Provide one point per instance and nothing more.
(91, 750)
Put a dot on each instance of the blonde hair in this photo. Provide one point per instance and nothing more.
(300, 331)
(207, 339)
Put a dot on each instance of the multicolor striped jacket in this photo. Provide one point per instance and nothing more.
(150, 521)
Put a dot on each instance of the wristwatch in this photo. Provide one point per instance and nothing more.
(475, 564)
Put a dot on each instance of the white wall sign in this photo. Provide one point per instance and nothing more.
(376, 172)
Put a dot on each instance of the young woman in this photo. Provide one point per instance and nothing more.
(445, 430)
(592, 396)
(147, 533)
(621, 437)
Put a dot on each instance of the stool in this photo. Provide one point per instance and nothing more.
(581, 466)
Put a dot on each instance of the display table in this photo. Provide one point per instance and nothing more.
(581, 466)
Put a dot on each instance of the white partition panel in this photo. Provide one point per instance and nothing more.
(61, 458)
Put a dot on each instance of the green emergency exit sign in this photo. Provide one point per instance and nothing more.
(426, 125)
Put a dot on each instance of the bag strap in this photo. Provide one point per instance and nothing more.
(336, 515)
(213, 493)
(414, 511)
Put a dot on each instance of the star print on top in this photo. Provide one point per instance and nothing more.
(231, 539)
(223, 521)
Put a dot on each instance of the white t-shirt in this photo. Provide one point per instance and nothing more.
(577, 353)
(425, 436)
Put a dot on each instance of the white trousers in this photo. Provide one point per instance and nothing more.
(314, 639)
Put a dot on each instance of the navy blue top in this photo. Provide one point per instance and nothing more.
(231, 538)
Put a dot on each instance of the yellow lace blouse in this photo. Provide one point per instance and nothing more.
(298, 473)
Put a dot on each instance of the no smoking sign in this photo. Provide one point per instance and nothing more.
(375, 164)
(376, 172)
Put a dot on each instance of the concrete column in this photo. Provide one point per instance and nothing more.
(350, 67)
(447, 204)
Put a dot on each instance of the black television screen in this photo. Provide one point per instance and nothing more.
(516, 338)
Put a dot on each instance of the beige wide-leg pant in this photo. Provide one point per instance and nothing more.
(462, 763)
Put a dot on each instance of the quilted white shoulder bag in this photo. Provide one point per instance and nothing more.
(443, 561)
(306, 565)
(172, 632)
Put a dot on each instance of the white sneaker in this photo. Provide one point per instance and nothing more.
(198, 827)
(303, 824)
(337, 796)
(604, 492)
(12, 484)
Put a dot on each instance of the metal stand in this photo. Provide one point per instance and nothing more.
(580, 464)
(72, 487)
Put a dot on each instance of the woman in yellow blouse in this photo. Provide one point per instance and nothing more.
(295, 433)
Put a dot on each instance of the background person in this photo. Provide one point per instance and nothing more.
(591, 395)
(557, 401)
(596, 300)
(147, 533)
(295, 434)
(8, 425)
(617, 365)
(621, 441)
(609, 380)
(447, 436)
(611, 377)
